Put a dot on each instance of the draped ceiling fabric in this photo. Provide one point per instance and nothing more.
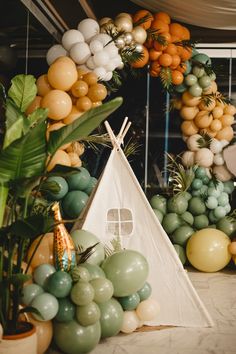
(216, 14)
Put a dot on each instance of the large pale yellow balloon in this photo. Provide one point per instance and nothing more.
(59, 104)
(62, 74)
(44, 251)
(207, 250)
(44, 331)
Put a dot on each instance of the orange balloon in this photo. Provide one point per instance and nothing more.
(62, 74)
(165, 60)
(176, 29)
(84, 104)
(159, 26)
(154, 54)
(98, 92)
(43, 85)
(186, 33)
(186, 53)
(73, 115)
(34, 105)
(44, 332)
(142, 61)
(163, 16)
(144, 15)
(175, 61)
(90, 78)
(177, 77)
(79, 89)
(171, 49)
(59, 104)
(44, 252)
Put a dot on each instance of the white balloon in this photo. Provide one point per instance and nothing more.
(71, 37)
(103, 37)
(117, 60)
(148, 310)
(112, 50)
(101, 58)
(80, 52)
(120, 67)
(90, 63)
(108, 76)
(130, 322)
(89, 28)
(56, 51)
(110, 66)
(100, 72)
(95, 46)
(84, 68)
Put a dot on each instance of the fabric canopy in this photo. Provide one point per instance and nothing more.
(216, 14)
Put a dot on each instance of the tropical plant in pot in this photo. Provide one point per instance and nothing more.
(24, 155)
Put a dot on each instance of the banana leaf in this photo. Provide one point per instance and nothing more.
(82, 126)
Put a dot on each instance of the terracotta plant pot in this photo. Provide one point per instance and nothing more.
(22, 343)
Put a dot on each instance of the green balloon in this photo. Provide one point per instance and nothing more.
(42, 272)
(145, 292)
(181, 253)
(88, 314)
(202, 58)
(72, 338)
(130, 302)
(103, 289)
(201, 222)
(74, 202)
(195, 90)
(187, 217)
(127, 270)
(47, 305)
(59, 284)
(190, 80)
(61, 190)
(182, 234)
(82, 293)
(92, 183)
(86, 239)
(79, 181)
(94, 270)
(111, 319)
(177, 204)
(29, 292)
(159, 214)
(80, 273)
(158, 202)
(66, 311)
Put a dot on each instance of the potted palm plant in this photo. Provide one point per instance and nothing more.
(24, 156)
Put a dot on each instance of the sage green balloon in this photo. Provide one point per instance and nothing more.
(127, 270)
(82, 293)
(72, 338)
(94, 270)
(66, 311)
(80, 273)
(130, 302)
(145, 292)
(103, 289)
(181, 253)
(88, 314)
(87, 239)
(111, 319)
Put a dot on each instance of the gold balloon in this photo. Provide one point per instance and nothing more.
(44, 252)
(124, 14)
(139, 34)
(207, 250)
(62, 74)
(59, 104)
(97, 92)
(74, 114)
(105, 20)
(83, 104)
(123, 23)
(43, 85)
(44, 332)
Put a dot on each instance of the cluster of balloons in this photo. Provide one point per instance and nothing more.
(67, 92)
(204, 205)
(90, 50)
(97, 299)
(72, 191)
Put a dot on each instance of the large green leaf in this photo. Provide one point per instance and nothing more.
(26, 156)
(82, 126)
(14, 123)
(23, 90)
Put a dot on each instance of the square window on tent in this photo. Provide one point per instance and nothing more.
(119, 222)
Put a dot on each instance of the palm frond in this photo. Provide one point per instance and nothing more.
(155, 36)
(142, 20)
(180, 178)
(166, 79)
(211, 97)
(83, 255)
(130, 55)
(97, 139)
(131, 147)
(187, 44)
(204, 141)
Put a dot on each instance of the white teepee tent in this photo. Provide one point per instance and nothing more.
(120, 207)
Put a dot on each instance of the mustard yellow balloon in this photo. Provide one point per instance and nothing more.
(43, 85)
(62, 74)
(59, 104)
(207, 250)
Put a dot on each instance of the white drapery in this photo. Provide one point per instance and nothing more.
(216, 14)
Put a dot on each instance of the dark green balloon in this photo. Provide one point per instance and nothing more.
(92, 183)
(181, 253)
(130, 302)
(79, 181)
(66, 311)
(59, 284)
(61, 185)
(127, 270)
(88, 314)
(145, 292)
(111, 319)
(94, 270)
(74, 202)
(72, 338)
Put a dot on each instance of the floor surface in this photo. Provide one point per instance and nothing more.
(218, 292)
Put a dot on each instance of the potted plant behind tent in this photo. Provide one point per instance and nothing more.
(24, 156)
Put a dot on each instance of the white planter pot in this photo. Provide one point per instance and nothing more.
(25, 343)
